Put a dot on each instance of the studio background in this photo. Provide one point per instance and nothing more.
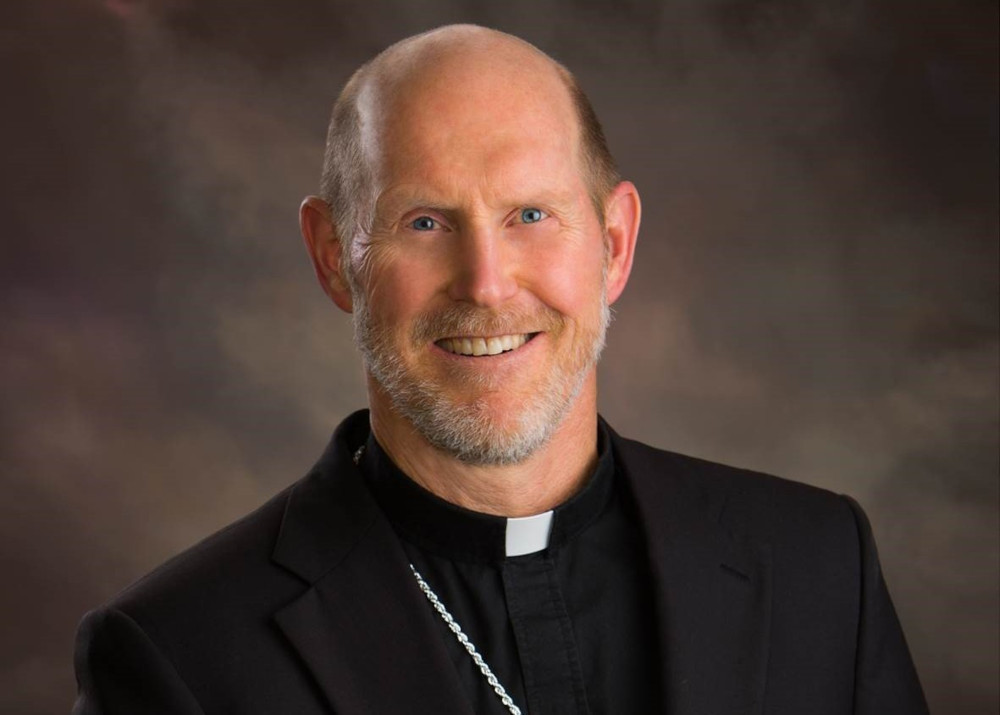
(814, 295)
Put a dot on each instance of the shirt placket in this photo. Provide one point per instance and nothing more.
(550, 663)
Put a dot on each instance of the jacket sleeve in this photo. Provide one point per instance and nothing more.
(885, 678)
(120, 671)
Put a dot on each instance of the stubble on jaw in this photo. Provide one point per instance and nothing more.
(468, 430)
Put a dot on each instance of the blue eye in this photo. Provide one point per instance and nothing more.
(424, 223)
(532, 215)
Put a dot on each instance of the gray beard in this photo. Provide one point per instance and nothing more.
(468, 431)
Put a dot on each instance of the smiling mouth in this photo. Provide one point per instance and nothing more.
(483, 347)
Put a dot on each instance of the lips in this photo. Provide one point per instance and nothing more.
(478, 346)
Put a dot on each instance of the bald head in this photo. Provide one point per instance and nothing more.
(469, 73)
(447, 51)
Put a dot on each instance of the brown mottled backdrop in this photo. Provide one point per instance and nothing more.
(816, 290)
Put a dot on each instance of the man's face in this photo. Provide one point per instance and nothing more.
(484, 240)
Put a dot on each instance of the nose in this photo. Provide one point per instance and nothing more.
(484, 269)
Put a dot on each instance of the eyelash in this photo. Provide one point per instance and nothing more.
(413, 223)
(541, 216)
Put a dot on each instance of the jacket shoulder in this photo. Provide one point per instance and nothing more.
(211, 569)
(752, 504)
(238, 571)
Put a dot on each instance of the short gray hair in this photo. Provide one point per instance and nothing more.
(346, 183)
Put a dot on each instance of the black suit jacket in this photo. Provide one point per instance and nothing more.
(769, 599)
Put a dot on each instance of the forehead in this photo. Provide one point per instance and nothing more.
(503, 117)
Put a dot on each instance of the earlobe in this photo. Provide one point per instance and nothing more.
(622, 215)
(325, 248)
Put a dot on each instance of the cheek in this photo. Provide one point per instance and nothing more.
(568, 279)
(397, 288)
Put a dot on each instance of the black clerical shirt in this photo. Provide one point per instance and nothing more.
(567, 629)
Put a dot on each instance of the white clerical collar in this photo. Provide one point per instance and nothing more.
(528, 534)
(429, 522)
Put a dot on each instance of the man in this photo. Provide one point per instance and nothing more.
(480, 541)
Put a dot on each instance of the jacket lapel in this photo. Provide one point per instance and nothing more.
(713, 590)
(363, 628)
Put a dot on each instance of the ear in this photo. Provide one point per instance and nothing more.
(325, 248)
(622, 213)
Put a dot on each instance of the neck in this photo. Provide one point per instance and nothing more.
(547, 478)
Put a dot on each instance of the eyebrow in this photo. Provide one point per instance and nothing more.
(400, 200)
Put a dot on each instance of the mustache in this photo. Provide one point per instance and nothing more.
(462, 320)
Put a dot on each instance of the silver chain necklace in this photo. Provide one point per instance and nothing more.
(466, 643)
(457, 629)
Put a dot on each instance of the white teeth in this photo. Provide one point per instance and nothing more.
(483, 346)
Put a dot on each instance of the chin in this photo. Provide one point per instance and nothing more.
(481, 431)
(482, 440)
